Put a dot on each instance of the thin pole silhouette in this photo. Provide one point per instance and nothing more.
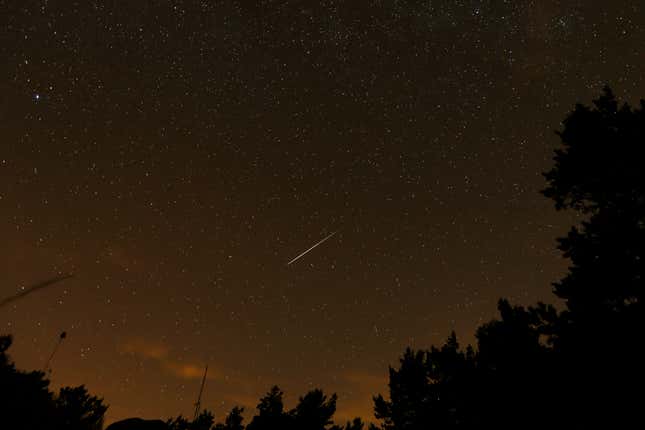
(34, 288)
(46, 367)
(198, 403)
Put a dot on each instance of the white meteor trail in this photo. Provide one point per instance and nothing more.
(305, 252)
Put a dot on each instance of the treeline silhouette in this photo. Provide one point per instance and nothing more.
(26, 402)
(538, 367)
(532, 367)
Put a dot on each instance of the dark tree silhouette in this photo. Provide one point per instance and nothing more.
(233, 420)
(178, 423)
(271, 414)
(409, 394)
(514, 370)
(204, 421)
(500, 384)
(314, 411)
(78, 410)
(355, 424)
(599, 173)
(27, 403)
(429, 389)
(25, 399)
(533, 367)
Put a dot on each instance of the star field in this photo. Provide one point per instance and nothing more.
(175, 155)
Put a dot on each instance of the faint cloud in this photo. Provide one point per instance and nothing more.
(145, 348)
(187, 371)
(160, 353)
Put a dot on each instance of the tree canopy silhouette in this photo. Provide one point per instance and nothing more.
(27, 403)
(314, 411)
(271, 415)
(233, 420)
(599, 174)
(355, 424)
(203, 421)
(534, 366)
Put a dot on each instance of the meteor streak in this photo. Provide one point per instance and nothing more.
(305, 252)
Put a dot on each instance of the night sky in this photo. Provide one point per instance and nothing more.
(176, 155)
